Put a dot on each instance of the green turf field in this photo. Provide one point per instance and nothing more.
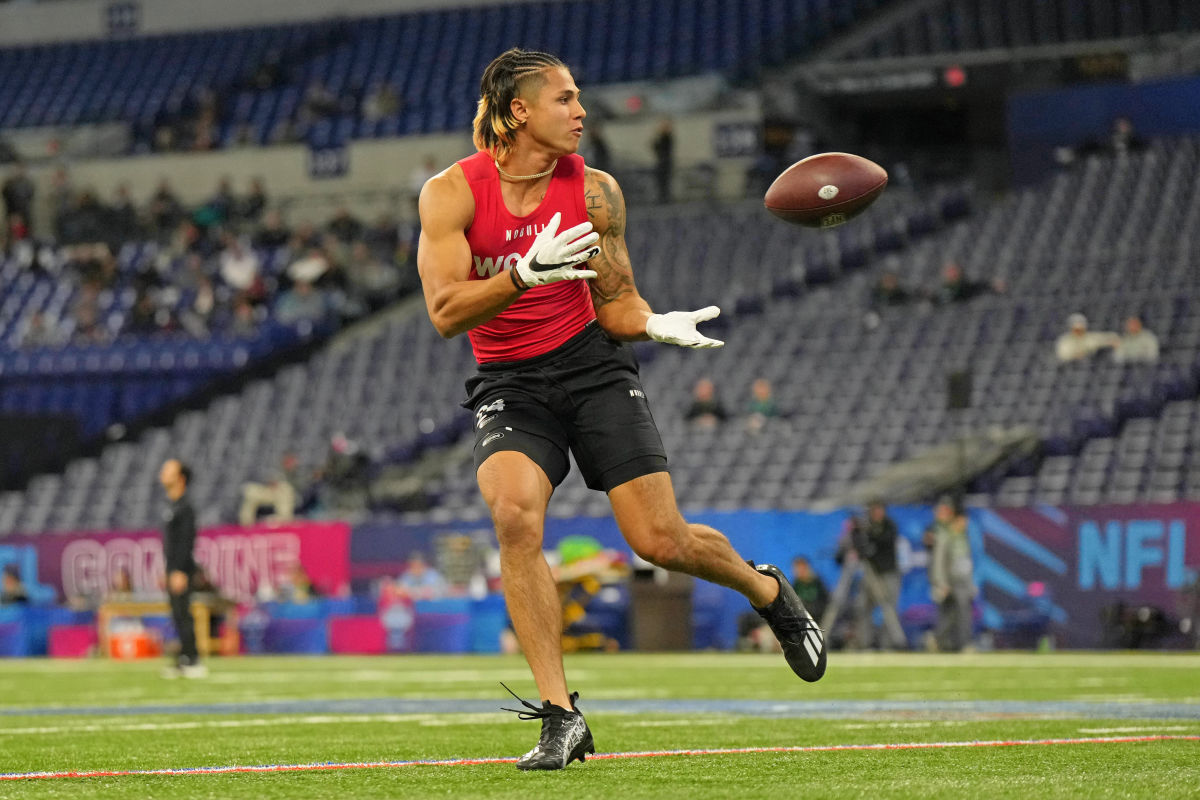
(104, 716)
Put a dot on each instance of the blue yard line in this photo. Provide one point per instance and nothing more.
(817, 709)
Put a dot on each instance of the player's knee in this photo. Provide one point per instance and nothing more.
(517, 524)
(662, 545)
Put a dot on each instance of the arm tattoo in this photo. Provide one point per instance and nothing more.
(591, 198)
(615, 273)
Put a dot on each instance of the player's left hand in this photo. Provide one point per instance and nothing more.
(679, 327)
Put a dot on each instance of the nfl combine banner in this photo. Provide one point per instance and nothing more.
(239, 561)
(1085, 563)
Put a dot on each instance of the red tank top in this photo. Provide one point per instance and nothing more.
(545, 316)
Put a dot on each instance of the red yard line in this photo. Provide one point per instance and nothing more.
(465, 762)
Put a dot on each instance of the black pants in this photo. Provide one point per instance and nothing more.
(181, 615)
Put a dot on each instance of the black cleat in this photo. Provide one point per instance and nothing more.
(802, 640)
(565, 735)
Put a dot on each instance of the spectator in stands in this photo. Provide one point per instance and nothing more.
(305, 236)
(269, 73)
(124, 216)
(1078, 343)
(957, 288)
(18, 228)
(18, 192)
(705, 411)
(93, 264)
(762, 404)
(62, 198)
(345, 226)
(164, 138)
(197, 316)
(278, 494)
(39, 332)
(89, 329)
(381, 101)
(319, 102)
(383, 237)
(304, 302)
(371, 281)
(296, 586)
(219, 208)
(165, 212)
(952, 583)
(85, 223)
(191, 274)
(420, 581)
(1137, 344)
(12, 590)
(664, 159)
(810, 587)
(273, 233)
(251, 207)
(888, 292)
(245, 320)
(192, 238)
(145, 317)
(874, 542)
(345, 476)
(1123, 138)
(240, 269)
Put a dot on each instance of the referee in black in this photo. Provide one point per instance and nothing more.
(179, 538)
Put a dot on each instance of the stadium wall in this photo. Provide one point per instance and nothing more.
(1070, 565)
(1040, 122)
(67, 20)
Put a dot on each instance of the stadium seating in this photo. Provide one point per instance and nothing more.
(155, 80)
(859, 390)
(343, 389)
(963, 25)
(126, 376)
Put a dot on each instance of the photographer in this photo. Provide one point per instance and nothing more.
(873, 542)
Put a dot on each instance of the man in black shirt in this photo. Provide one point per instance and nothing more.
(874, 540)
(179, 537)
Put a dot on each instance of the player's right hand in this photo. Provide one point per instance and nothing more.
(554, 256)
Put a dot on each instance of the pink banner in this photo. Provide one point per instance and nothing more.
(238, 560)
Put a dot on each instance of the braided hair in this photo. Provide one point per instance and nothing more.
(502, 81)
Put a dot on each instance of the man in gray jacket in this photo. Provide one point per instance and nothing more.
(952, 582)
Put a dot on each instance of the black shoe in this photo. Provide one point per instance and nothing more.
(802, 640)
(565, 735)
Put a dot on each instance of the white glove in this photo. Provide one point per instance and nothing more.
(679, 327)
(552, 256)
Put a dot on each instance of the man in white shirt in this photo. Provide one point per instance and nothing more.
(1078, 343)
(1136, 345)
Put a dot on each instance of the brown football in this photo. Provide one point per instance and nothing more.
(825, 190)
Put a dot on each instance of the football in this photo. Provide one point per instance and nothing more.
(825, 190)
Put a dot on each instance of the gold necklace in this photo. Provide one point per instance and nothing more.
(525, 177)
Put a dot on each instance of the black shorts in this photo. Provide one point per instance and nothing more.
(583, 396)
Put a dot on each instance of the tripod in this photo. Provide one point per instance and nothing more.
(874, 586)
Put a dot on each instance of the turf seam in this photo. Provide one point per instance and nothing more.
(466, 762)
